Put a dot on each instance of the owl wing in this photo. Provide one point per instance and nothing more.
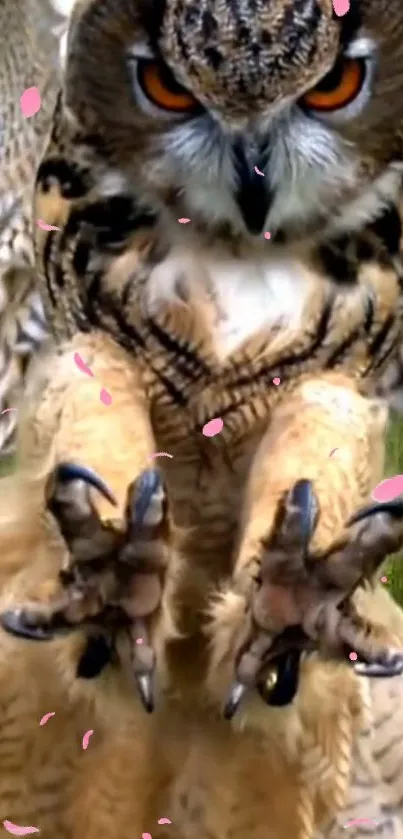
(28, 58)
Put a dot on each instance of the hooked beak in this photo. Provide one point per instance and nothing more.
(253, 195)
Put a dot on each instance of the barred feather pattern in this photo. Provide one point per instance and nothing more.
(30, 31)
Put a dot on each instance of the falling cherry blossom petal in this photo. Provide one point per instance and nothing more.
(80, 363)
(213, 427)
(341, 7)
(45, 226)
(46, 717)
(19, 829)
(160, 454)
(86, 738)
(388, 489)
(105, 396)
(30, 102)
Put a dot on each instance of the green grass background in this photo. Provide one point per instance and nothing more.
(394, 466)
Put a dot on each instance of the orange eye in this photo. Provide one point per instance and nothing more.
(160, 87)
(338, 88)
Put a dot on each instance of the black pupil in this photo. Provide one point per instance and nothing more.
(333, 79)
(168, 80)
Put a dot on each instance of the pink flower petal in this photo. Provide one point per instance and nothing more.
(258, 172)
(267, 235)
(19, 829)
(82, 365)
(353, 656)
(164, 821)
(46, 717)
(160, 454)
(388, 489)
(341, 7)
(86, 738)
(30, 102)
(213, 427)
(184, 220)
(105, 396)
(45, 226)
(276, 380)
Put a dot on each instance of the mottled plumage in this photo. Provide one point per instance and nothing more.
(166, 110)
(29, 37)
(332, 755)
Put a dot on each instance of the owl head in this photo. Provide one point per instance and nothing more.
(245, 115)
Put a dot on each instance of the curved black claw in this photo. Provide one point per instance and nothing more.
(12, 622)
(235, 697)
(67, 472)
(142, 492)
(282, 690)
(143, 664)
(303, 497)
(278, 690)
(392, 508)
(377, 670)
(145, 687)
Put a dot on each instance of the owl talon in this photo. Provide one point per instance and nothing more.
(68, 473)
(381, 670)
(298, 592)
(303, 498)
(392, 508)
(236, 694)
(142, 493)
(113, 578)
(14, 623)
(145, 688)
(272, 609)
(68, 499)
(277, 689)
(142, 663)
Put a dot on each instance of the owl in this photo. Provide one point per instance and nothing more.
(222, 182)
(184, 137)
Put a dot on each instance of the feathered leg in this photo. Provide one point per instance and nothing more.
(113, 575)
(302, 555)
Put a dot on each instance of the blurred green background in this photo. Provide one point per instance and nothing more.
(394, 466)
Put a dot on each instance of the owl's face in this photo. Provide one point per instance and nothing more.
(246, 116)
